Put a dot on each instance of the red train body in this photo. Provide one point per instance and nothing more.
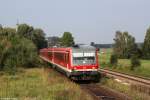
(78, 63)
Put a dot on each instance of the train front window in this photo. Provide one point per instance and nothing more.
(84, 59)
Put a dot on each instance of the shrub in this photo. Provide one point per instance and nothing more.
(19, 48)
(135, 62)
(113, 59)
(16, 52)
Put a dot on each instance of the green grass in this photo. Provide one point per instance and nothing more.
(40, 84)
(129, 90)
(104, 56)
(124, 65)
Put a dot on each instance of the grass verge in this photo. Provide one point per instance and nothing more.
(40, 84)
(124, 65)
(126, 89)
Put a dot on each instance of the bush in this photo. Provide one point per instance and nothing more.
(17, 52)
(19, 48)
(135, 62)
(113, 59)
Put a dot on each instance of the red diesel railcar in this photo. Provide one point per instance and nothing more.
(78, 63)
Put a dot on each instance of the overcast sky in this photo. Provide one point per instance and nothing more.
(88, 20)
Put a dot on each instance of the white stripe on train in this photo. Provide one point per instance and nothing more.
(66, 68)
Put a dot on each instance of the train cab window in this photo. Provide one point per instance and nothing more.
(85, 59)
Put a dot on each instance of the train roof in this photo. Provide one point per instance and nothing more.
(83, 48)
(76, 48)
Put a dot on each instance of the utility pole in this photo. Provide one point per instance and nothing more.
(17, 24)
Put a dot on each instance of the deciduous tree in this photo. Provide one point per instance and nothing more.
(67, 39)
(25, 30)
(39, 38)
(124, 45)
(36, 35)
(146, 45)
(17, 49)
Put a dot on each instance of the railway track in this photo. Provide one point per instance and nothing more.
(99, 92)
(102, 93)
(131, 78)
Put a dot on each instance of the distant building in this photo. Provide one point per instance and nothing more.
(53, 41)
(101, 45)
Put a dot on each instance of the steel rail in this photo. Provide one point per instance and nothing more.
(142, 80)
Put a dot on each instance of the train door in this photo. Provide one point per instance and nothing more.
(67, 60)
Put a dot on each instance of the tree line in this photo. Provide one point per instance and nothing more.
(125, 47)
(19, 47)
(66, 40)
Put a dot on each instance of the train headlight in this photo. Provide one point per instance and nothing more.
(74, 68)
(93, 67)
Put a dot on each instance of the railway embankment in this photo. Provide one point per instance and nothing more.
(124, 84)
(140, 83)
(39, 84)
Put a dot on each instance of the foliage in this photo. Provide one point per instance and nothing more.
(25, 30)
(67, 39)
(124, 65)
(124, 45)
(146, 45)
(135, 62)
(39, 38)
(113, 59)
(1, 27)
(17, 50)
(7, 31)
(36, 35)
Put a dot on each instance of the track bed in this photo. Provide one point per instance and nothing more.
(102, 93)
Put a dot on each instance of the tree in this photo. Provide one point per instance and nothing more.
(67, 39)
(21, 53)
(36, 35)
(113, 60)
(17, 49)
(1, 27)
(16, 52)
(135, 62)
(7, 31)
(124, 45)
(25, 30)
(131, 46)
(146, 45)
(118, 46)
(39, 38)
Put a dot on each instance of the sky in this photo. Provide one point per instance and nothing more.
(87, 20)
